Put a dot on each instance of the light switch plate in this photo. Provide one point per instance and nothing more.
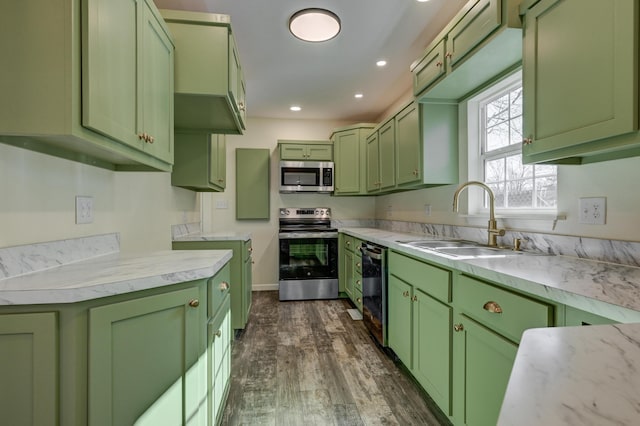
(222, 204)
(593, 210)
(84, 209)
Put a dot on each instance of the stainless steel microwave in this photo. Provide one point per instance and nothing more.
(306, 176)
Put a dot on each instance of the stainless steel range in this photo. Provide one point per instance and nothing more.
(308, 261)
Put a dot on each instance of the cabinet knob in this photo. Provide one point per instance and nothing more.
(220, 180)
(458, 328)
(439, 64)
(449, 55)
(358, 282)
(359, 299)
(241, 106)
(151, 139)
(527, 141)
(415, 172)
(414, 298)
(348, 243)
(358, 264)
(224, 286)
(405, 293)
(219, 333)
(250, 249)
(142, 136)
(194, 303)
(492, 307)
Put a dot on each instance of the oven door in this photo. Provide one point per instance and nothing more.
(308, 266)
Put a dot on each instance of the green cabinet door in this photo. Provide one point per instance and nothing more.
(320, 152)
(200, 162)
(252, 183)
(347, 162)
(373, 162)
(110, 91)
(430, 68)
(28, 368)
(139, 347)
(247, 280)
(482, 19)
(236, 83)
(399, 320)
(579, 76)
(387, 135)
(293, 152)
(408, 147)
(482, 365)
(349, 274)
(156, 81)
(432, 322)
(306, 151)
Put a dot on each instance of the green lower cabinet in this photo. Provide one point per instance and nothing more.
(241, 277)
(399, 319)
(219, 336)
(140, 352)
(28, 365)
(482, 363)
(432, 325)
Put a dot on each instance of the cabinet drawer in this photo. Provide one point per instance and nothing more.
(518, 313)
(430, 279)
(349, 242)
(217, 289)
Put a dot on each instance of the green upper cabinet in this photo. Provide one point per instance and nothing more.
(28, 365)
(580, 79)
(127, 88)
(350, 158)
(209, 84)
(200, 162)
(92, 82)
(417, 147)
(305, 150)
(482, 41)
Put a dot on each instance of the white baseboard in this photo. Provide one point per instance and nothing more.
(265, 287)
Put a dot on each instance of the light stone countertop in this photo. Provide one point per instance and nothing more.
(215, 236)
(562, 375)
(111, 274)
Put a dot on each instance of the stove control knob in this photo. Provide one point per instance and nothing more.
(317, 212)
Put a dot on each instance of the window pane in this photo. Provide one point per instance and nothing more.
(498, 136)
(520, 193)
(516, 102)
(494, 171)
(515, 126)
(517, 170)
(543, 170)
(497, 111)
(498, 191)
(546, 192)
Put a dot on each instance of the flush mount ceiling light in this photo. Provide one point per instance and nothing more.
(314, 25)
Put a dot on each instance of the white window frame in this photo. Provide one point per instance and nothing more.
(475, 130)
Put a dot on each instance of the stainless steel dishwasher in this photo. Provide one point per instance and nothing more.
(374, 290)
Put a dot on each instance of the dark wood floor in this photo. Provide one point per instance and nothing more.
(309, 363)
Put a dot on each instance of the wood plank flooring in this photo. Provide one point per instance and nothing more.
(309, 363)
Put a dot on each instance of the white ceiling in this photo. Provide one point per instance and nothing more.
(322, 78)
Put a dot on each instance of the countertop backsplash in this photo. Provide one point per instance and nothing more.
(25, 259)
(614, 251)
(183, 229)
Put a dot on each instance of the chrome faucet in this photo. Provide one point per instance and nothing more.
(492, 229)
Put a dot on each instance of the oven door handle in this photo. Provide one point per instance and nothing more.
(299, 235)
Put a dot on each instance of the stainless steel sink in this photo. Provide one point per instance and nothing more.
(461, 249)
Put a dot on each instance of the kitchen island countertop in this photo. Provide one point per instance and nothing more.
(111, 274)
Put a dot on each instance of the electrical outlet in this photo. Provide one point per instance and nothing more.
(427, 209)
(84, 209)
(593, 210)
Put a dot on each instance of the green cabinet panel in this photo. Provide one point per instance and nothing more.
(306, 150)
(580, 75)
(28, 365)
(123, 338)
(480, 43)
(104, 95)
(241, 278)
(482, 365)
(209, 85)
(399, 332)
(432, 345)
(350, 159)
(576, 317)
(252, 183)
(416, 148)
(200, 162)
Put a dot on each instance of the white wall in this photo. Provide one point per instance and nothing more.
(264, 133)
(614, 180)
(37, 202)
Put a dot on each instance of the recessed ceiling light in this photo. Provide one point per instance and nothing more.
(314, 25)
(295, 108)
(358, 95)
(381, 63)
(422, 1)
